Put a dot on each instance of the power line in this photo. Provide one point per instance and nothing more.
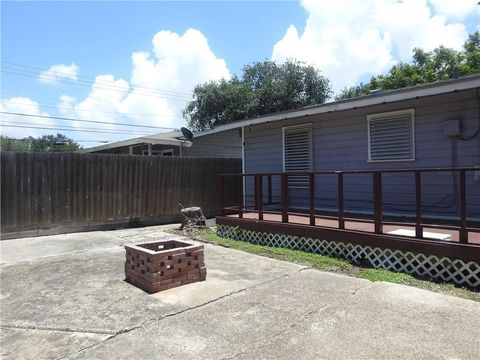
(120, 131)
(110, 88)
(173, 92)
(95, 111)
(83, 120)
(74, 129)
(28, 140)
(54, 75)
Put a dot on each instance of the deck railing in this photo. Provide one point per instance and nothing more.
(378, 220)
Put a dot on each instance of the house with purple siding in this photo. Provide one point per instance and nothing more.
(391, 180)
(428, 126)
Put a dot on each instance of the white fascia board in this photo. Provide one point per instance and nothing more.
(135, 141)
(444, 87)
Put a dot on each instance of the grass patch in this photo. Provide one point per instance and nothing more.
(386, 275)
(427, 284)
(316, 261)
(327, 263)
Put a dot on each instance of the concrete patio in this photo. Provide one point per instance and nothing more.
(62, 299)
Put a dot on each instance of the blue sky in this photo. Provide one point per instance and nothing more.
(137, 62)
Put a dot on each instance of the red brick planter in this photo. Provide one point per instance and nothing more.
(162, 265)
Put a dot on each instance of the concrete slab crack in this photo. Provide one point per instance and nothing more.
(153, 320)
(278, 333)
(46, 328)
(86, 348)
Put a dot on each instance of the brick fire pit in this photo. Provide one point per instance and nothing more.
(162, 265)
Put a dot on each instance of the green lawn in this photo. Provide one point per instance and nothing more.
(327, 263)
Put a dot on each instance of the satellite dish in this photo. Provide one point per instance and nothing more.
(187, 134)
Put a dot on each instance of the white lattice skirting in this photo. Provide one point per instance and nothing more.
(452, 270)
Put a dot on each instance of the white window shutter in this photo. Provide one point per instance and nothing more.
(391, 137)
(297, 142)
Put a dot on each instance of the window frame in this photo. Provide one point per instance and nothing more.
(384, 116)
(167, 151)
(306, 126)
(154, 152)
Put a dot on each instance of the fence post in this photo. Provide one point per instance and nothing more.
(463, 209)
(311, 184)
(341, 206)
(255, 191)
(377, 201)
(418, 205)
(222, 194)
(269, 189)
(260, 196)
(240, 195)
(284, 194)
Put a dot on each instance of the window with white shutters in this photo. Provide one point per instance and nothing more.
(391, 136)
(297, 153)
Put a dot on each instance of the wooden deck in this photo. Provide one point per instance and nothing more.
(407, 230)
(458, 238)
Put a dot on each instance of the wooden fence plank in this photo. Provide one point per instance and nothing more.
(46, 190)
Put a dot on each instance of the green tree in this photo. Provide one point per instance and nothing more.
(12, 144)
(440, 64)
(57, 142)
(263, 88)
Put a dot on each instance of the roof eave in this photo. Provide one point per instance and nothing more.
(134, 141)
(466, 83)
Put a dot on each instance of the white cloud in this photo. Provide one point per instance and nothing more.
(456, 9)
(161, 84)
(23, 105)
(349, 40)
(58, 73)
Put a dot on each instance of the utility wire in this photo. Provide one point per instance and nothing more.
(14, 65)
(109, 87)
(83, 120)
(7, 138)
(95, 111)
(73, 129)
(123, 131)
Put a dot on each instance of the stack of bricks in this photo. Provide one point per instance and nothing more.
(162, 265)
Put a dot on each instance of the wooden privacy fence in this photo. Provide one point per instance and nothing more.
(51, 192)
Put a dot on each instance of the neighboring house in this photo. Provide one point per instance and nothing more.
(209, 143)
(428, 126)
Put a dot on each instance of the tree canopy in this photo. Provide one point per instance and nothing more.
(440, 64)
(263, 88)
(57, 142)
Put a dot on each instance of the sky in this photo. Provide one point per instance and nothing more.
(113, 63)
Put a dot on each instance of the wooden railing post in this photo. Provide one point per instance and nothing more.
(311, 184)
(341, 208)
(284, 194)
(418, 205)
(260, 196)
(255, 189)
(222, 194)
(463, 209)
(240, 195)
(269, 189)
(377, 201)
